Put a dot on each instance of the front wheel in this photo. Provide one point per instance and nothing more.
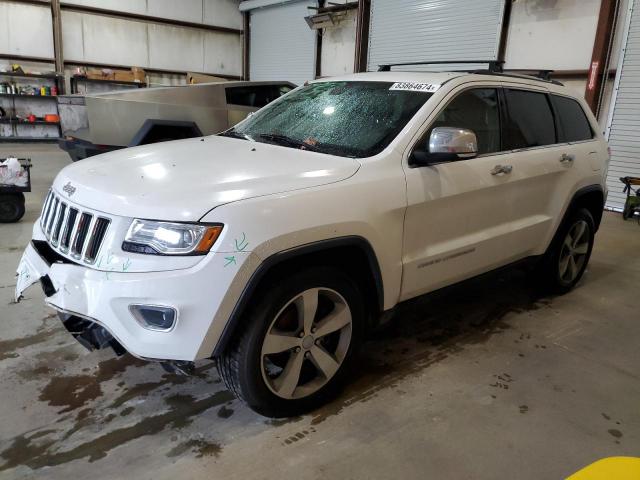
(566, 260)
(297, 344)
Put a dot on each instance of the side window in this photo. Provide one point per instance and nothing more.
(476, 110)
(572, 121)
(284, 89)
(255, 95)
(530, 120)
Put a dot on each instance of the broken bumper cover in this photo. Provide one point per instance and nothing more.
(90, 334)
(94, 305)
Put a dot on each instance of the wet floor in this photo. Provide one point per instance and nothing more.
(486, 380)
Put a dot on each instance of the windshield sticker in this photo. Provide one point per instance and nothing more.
(415, 87)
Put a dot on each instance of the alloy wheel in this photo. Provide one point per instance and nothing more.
(573, 253)
(306, 343)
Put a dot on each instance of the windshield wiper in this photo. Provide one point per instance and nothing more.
(288, 141)
(235, 134)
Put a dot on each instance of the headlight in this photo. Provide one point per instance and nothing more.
(168, 238)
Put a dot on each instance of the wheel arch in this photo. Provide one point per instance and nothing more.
(351, 253)
(590, 197)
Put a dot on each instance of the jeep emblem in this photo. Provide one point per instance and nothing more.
(69, 189)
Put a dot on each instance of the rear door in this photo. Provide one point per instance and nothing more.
(546, 165)
(575, 129)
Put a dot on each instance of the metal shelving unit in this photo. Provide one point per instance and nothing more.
(75, 79)
(16, 122)
(20, 139)
(33, 97)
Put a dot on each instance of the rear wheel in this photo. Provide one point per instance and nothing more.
(11, 207)
(298, 343)
(567, 258)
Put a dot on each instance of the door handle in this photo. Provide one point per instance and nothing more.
(499, 169)
(567, 158)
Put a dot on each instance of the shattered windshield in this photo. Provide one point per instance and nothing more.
(354, 119)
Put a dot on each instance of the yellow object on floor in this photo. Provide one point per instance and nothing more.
(612, 468)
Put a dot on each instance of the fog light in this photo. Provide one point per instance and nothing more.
(154, 317)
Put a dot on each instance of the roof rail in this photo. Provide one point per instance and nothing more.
(495, 66)
(533, 72)
(541, 75)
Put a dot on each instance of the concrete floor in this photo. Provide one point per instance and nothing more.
(486, 381)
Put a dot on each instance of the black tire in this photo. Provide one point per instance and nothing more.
(550, 271)
(241, 366)
(11, 207)
(628, 211)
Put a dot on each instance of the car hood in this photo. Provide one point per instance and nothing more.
(183, 180)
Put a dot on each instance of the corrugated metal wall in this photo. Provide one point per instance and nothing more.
(624, 120)
(415, 30)
(282, 44)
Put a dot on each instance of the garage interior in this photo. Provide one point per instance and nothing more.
(486, 379)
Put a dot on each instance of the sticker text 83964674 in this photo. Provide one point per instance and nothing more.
(415, 87)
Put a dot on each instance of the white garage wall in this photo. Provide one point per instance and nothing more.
(110, 40)
(100, 39)
(94, 38)
(338, 46)
(25, 30)
(551, 34)
(221, 13)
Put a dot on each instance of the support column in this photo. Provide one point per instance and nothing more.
(504, 31)
(319, 32)
(362, 36)
(246, 43)
(56, 20)
(599, 67)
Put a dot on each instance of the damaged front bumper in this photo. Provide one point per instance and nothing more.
(95, 306)
(93, 336)
(90, 334)
(33, 268)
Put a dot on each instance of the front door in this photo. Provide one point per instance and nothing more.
(460, 219)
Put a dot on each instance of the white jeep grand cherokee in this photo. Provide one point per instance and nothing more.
(274, 246)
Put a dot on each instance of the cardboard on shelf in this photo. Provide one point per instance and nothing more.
(136, 74)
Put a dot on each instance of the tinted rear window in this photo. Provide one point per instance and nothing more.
(255, 95)
(573, 125)
(530, 120)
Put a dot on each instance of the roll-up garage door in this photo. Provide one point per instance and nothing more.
(282, 46)
(433, 30)
(624, 117)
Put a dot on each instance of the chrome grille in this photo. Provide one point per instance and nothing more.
(72, 231)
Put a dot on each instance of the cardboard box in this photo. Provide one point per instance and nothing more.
(136, 74)
(101, 74)
(195, 78)
(123, 75)
(139, 75)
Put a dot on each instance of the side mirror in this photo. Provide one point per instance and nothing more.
(446, 144)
